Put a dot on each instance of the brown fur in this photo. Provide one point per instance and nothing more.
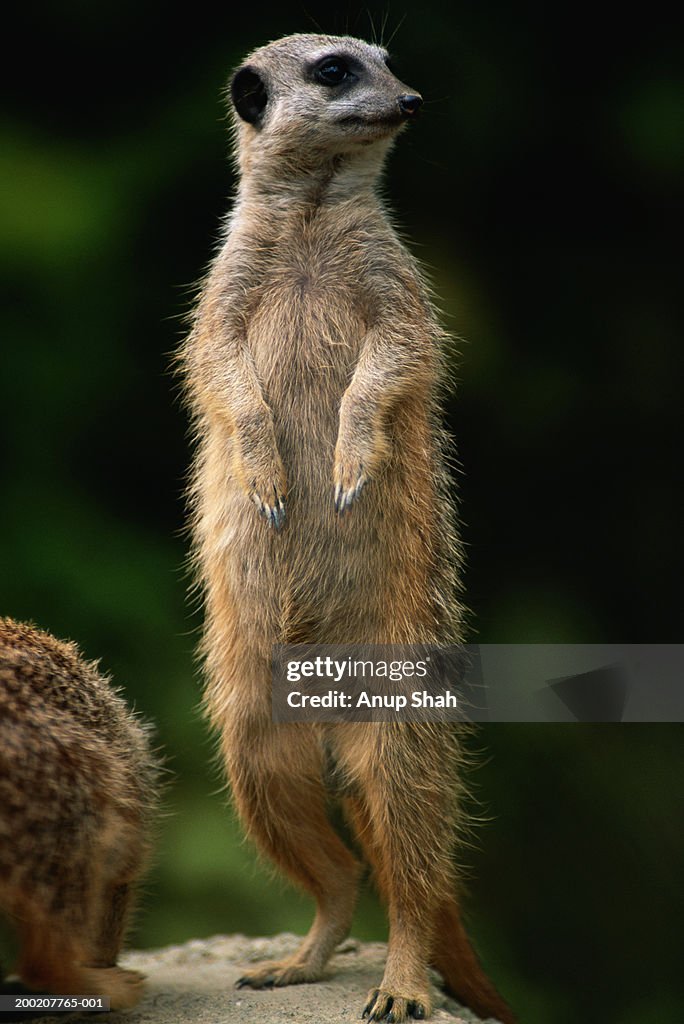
(77, 783)
(313, 368)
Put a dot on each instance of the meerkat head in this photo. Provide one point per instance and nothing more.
(320, 95)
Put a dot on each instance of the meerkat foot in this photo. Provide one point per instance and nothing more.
(125, 988)
(278, 973)
(385, 1005)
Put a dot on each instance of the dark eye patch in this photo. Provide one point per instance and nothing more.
(333, 70)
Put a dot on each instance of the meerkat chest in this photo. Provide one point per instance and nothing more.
(310, 311)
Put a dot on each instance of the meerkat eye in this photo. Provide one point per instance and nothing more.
(333, 71)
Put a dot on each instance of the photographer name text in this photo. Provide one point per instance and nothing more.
(397, 701)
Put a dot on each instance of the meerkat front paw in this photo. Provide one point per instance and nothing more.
(270, 503)
(264, 485)
(360, 454)
(350, 479)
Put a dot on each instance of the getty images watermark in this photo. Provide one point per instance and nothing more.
(487, 682)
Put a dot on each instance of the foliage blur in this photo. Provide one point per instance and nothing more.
(538, 190)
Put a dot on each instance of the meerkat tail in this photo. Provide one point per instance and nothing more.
(456, 960)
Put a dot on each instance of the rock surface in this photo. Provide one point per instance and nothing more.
(195, 983)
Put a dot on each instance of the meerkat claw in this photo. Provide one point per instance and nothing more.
(371, 1002)
(345, 497)
(278, 515)
(274, 514)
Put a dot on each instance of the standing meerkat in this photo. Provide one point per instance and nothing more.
(77, 794)
(312, 371)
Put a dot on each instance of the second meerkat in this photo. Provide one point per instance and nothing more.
(313, 370)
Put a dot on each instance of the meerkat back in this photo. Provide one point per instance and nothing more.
(77, 796)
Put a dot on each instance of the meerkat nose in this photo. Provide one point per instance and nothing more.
(410, 103)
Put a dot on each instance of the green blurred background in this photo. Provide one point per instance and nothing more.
(538, 188)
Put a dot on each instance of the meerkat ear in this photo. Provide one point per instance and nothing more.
(248, 91)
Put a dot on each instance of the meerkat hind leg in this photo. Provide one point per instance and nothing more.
(288, 821)
(382, 1004)
(404, 831)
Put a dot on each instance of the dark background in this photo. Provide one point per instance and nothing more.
(539, 190)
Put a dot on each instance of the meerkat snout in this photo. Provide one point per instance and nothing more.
(410, 103)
